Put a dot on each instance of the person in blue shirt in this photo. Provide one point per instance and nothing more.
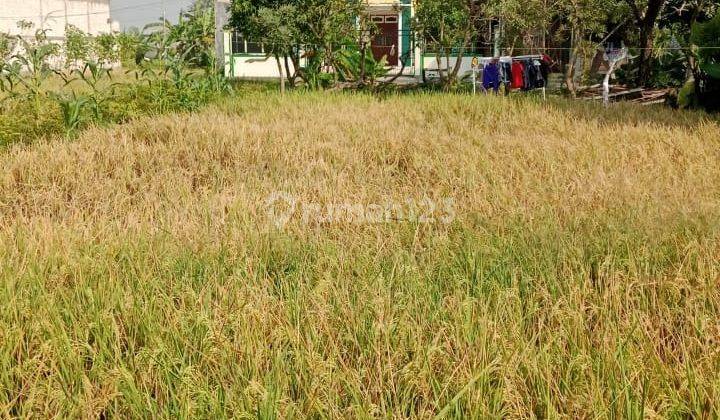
(491, 76)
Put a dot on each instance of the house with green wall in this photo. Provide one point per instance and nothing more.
(246, 59)
(394, 40)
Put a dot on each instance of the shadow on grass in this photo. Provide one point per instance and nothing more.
(630, 114)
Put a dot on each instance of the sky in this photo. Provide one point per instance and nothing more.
(141, 12)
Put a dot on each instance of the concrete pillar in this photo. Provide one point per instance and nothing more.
(221, 19)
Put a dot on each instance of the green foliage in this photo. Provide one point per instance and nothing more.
(7, 45)
(279, 29)
(71, 107)
(32, 107)
(195, 34)
(106, 49)
(589, 19)
(328, 27)
(128, 44)
(670, 63)
(92, 75)
(20, 121)
(314, 77)
(449, 28)
(707, 36)
(77, 45)
(350, 65)
(444, 24)
(174, 87)
(521, 17)
(687, 98)
(32, 66)
(23, 79)
(318, 28)
(10, 74)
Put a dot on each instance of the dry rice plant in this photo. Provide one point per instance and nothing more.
(142, 274)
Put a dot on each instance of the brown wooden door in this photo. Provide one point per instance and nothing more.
(385, 43)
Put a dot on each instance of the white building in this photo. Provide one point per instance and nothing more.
(246, 59)
(395, 42)
(90, 16)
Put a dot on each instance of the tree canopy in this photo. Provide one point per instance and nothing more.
(573, 31)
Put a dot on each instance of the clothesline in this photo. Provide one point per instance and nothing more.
(508, 58)
(528, 72)
(680, 48)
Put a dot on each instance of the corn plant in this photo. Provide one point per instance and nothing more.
(30, 69)
(72, 107)
(10, 74)
(93, 75)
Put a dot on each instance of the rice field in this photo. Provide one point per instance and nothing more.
(343, 256)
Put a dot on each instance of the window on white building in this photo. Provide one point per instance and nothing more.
(241, 45)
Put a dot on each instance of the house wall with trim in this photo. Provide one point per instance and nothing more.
(248, 60)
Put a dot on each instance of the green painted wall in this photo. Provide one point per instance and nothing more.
(406, 37)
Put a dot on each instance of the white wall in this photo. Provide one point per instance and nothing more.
(430, 65)
(91, 16)
(256, 67)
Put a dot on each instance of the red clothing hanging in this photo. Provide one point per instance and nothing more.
(518, 75)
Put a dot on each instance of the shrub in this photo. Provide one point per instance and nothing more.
(128, 44)
(7, 45)
(106, 49)
(20, 124)
(708, 36)
(77, 45)
(32, 106)
(686, 96)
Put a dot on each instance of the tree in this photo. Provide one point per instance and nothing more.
(331, 25)
(587, 22)
(275, 22)
(706, 38)
(679, 23)
(77, 46)
(317, 29)
(645, 15)
(105, 48)
(449, 27)
(128, 43)
(521, 19)
(194, 34)
(280, 35)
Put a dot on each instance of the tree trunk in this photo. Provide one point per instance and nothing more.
(693, 64)
(460, 56)
(281, 73)
(570, 75)
(295, 60)
(647, 41)
(438, 60)
(288, 74)
(570, 72)
(363, 55)
(646, 22)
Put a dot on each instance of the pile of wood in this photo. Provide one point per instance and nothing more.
(653, 96)
(623, 93)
